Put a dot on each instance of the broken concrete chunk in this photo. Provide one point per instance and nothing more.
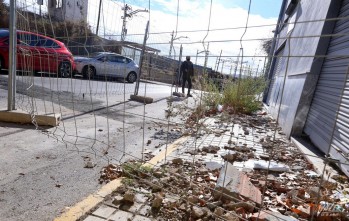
(211, 149)
(157, 201)
(213, 205)
(233, 184)
(231, 216)
(177, 161)
(271, 216)
(264, 156)
(129, 197)
(234, 157)
(117, 200)
(246, 205)
(219, 211)
(197, 212)
(193, 199)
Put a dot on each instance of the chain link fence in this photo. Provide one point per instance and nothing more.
(223, 156)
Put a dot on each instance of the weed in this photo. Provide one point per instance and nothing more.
(135, 169)
(127, 181)
(239, 97)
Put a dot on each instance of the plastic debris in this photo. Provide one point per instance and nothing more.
(265, 165)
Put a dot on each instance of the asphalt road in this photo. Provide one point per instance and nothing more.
(43, 170)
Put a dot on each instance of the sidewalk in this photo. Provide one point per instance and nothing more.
(229, 170)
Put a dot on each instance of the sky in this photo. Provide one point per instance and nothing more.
(229, 16)
(227, 26)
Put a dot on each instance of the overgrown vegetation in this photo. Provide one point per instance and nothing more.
(236, 97)
(135, 169)
(77, 36)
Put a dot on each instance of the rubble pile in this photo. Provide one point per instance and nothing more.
(109, 173)
(287, 181)
(262, 177)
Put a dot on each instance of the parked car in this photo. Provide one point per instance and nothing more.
(37, 53)
(107, 64)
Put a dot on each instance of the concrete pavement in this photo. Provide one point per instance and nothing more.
(44, 169)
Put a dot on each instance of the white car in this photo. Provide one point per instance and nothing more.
(107, 64)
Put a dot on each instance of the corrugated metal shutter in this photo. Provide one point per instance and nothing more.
(327, 98)
(276, 73)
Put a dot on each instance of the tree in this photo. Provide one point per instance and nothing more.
(4, 20)
(266, 45)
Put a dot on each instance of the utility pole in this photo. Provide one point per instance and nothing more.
(99, 15)
(259, 61)
(222, 66)
(171, 44)
(40, 3)
(217, 62)
(128, 13)
(196, 57)
(199, 52)
(172, 40)
(206, 56)
(237, 63)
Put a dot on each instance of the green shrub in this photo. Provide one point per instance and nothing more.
(239, 97)
(242, 95)
(211, 96)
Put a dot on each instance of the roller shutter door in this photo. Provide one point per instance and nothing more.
(329, 96)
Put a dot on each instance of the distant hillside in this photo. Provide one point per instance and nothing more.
(78, 37)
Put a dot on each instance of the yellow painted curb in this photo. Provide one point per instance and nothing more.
(85, 206)
(163, 154)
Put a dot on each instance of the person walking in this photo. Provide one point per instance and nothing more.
(187, 71)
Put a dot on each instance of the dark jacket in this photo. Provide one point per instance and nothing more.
(187, 69)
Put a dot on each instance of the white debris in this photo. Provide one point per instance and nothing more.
(265, 165)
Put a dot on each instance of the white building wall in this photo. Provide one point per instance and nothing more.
(68, 10)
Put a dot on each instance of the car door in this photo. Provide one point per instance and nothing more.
(24, 53)
(49, 57)
(39, 55)
(102, 65)
(118, 66)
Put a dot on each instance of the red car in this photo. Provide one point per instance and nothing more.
(37, 53)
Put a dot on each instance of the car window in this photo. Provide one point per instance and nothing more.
(117, 59)
(47, 43)
(28, 39)
(113, 58)
(95, 54)
(103, 58)
(122, 59)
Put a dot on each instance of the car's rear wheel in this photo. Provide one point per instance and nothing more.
(89, 72)
(64, 69)
(131, 77)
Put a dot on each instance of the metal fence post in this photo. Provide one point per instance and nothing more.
(12, 58)
(141, 59)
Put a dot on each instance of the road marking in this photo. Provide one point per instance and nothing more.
(92, 201)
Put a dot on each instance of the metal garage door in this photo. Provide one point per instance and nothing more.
(322, 122)
(276, 73)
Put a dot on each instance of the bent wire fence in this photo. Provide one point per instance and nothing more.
(224, 157)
